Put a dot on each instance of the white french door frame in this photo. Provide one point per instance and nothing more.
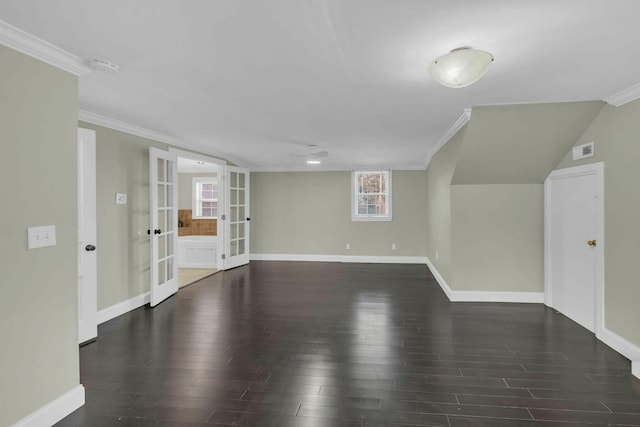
(164, 282)
(237, 213)
(221, 197)
(596, 169)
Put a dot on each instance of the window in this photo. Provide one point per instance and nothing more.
(205, 197)
(371, 195)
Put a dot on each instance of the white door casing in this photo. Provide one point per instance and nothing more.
(237, 216)
(574, 269)
(87, 251)
(163, 231)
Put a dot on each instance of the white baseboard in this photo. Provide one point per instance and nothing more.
(340, 258)
(483, 296)
(443, 283)
(495, 296)
(55, 410)
(622, 346)
(123, 307)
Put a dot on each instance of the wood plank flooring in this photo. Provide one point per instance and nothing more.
(323, 344)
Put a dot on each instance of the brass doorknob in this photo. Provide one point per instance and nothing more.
(591, 242)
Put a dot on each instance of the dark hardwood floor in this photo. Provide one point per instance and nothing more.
(327, 344)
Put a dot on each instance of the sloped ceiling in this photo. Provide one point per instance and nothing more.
(520, 144)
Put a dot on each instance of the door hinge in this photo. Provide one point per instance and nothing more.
(224, 217)
(224, 256)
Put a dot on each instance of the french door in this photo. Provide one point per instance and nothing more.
(236, 217)
(163, 232)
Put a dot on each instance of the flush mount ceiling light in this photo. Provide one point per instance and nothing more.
(461, 67)
(313, 162)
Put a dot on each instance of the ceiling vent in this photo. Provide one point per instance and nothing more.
(104, 65)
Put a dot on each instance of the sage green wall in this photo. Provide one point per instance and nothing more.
(497, 242)
(185, 188)
(309, 213)
(485, 218)
(615, 133)
(38, 186)
(520, 144)
(123, 245)
(438, 205)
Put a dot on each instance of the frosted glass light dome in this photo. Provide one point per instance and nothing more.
(461, 67)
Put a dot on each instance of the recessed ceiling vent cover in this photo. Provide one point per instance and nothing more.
(104, 65)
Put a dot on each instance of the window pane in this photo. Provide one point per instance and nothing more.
(371, 193)
(170, 244)
(169, 177)
(161, 195)
(170, 195)
(170, 272)
(160, 167)
(162, 272)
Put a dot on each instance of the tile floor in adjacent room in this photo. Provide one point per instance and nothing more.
(187, 276)
(329, 344)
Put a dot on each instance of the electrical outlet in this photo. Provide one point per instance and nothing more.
(393, 246)
(348, 245)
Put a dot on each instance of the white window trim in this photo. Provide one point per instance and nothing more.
(194, 194)
(354, 194)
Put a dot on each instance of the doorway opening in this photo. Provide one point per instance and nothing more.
(198, 208)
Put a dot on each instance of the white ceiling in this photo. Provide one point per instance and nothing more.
(196, 166)
(257, 80)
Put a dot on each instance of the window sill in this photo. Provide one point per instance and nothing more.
(371, 218)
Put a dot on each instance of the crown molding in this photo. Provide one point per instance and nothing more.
(624, 96)
(33, 46)
(108, 122)
(462, 120)
(104, 121)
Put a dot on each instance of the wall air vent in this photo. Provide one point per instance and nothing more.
(583, 151)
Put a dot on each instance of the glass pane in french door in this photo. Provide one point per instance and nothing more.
(236, 209)
(166, 221)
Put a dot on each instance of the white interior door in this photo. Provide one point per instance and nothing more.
(573, 244)
(236, 218)
(87, 253)
(164, 224)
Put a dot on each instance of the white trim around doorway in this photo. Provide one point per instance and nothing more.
(596, 169)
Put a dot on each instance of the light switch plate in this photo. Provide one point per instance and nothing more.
(40, 237)
(121, 199)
